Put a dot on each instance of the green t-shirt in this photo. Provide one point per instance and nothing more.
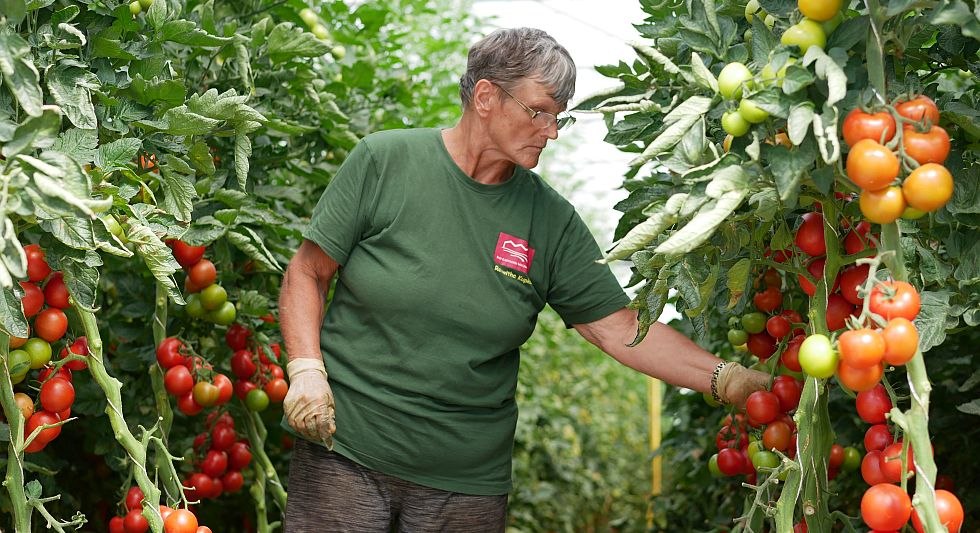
(441, 282)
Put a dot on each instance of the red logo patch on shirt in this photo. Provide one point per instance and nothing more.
(513, 252)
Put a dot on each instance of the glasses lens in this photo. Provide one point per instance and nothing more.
(543, 120)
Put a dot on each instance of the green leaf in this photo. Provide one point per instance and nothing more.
(158, 14)
(171, 93)
(825, 130)
(827, 69)
(677, 122)
(243, 151)
(850, 32)
(970, 408)
(738, 280)
(643, 233)
(702, 74)
(186, 32)
(71, 88)
(76, 232)
(19, 74)
(13, 10)
(82, 282)
(288, 42)
(58, 176)
(704, 223)
(35, 133)
(931, 320)
(12, 254)
(178, 193)
(763, 41)
(252, 246)
(800, 118)
(157, 257)
(117, 155)
(201, 158)
(12, 319)
(79, 144)
(787, 168)
(797, 78)
(110, 48)
(181, 121)
(966, 194)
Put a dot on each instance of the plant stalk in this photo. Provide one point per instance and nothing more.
(14, 478)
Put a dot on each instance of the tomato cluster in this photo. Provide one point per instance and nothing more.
(260, 379)
(886, 506)
(220, 455)
(872, 163)
(206, 298)
(174, 520)
(191, 378)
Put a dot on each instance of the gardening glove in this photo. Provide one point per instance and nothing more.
(308, 405)
(735, 383)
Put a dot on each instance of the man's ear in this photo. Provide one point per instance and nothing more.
(484, 98)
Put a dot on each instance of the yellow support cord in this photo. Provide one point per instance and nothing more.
(656, 465)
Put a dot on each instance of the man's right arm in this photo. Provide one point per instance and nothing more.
(301, 299)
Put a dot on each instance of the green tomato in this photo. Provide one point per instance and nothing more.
(755, 447)
(19, 364)
(769, 21)
(751, 112)
(338, 52)
(194, 307)
(713, 466)
(912, 213)
(764, 459)
(256, 400)
(754, 322)
(734, 124)
(39, 350)
(731, 78)
(145, 4)
(852, 459)
(737, 336)
(320, 32)
(213, 296)
(818, 356)
(135, 8)
(805, 33)
(224, 315)
(768, 73)
(309, 17)
(751, 8)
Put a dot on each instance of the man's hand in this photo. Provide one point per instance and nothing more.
(736, 383)
(308, 405)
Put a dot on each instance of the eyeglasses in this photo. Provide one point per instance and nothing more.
(542, 119)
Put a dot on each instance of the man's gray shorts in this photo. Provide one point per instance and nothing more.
(330, 493)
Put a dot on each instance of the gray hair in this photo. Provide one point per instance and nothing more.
(508, 56)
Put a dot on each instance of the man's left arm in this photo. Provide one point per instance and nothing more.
(668, 355)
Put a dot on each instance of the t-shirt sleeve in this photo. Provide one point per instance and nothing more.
(341, 216)
(582, 290)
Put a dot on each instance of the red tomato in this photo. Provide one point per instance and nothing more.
(836, 456)
(232, 481)
(871, 166)
(879, 127)
(791, 355)
(135, 522)
(222, 437)
(169, 353)
(778, 326)
(931, 146)
(852, 280)
(37, 266)
(809, 236)
(950, 512)
(134, 498)
(55, 292)
(730, 461)
(79, 347)
(788, 390)
(187, 405)
(225, 388)
(838, 311)
(38, 419)
(891, 462)
(901, 341)
(859, 379)
(202, 273)
(180, 521)
(277, 389)
(885, 506)
(187, 255)
(242, 364)
(877, 438)
(762, 407)
(873, 404)
(178, 380)
(237, 337)
(33, 299)
(861, 348)
(919, 108)
(57, 394)
(51, 324)
(215, 463)
(63, 372)
(239, 456)
(116, 525)
(777, 436)
(243, 387)
(815, 268)
(768, 300)
(761, 345)
(892, 299)
(871, 468)
(858, 239)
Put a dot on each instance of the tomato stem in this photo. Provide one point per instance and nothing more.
(265, 473)
(14, 478)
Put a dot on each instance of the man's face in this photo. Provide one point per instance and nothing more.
(520, 139)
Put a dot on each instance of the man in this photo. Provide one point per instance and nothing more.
(447, 247)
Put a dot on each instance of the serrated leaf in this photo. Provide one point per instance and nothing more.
(35, 133)
(76, 232)
(641, 235)
(118, 154)
(243, 151)
(931, 320)
(738, 279)
(59, 176)
(12, 319)
(798, 123)
(181, 121)
(157, 257)
(201, 158)
(79, 144)
(71, 87)
(12, 254)
(158, 14)
(186, 32)
(286, 42)
(253, 247)
(178, 193)
(82, 282)
(19, 74)
(703, 225)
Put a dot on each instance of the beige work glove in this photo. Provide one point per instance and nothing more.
(735, 383)
(308, 405)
